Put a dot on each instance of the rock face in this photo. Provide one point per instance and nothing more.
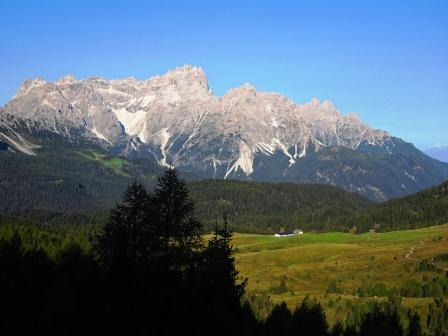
(177, 116)
(176, 119)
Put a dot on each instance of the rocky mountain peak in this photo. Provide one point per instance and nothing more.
(245, 90)
(245, 134)
(31, 83)
(314, 102)
(175, 118)
(69, 79)
(182, 76)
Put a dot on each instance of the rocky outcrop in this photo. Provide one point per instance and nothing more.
(176, 118)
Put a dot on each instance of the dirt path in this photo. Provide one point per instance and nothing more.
(412, 250)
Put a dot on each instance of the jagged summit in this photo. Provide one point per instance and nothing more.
(188, 72)
(69, 79)
(176, 119)
(29, 84)
(174, 115)
(246, 134)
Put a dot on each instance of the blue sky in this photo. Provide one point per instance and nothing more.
(386, 60)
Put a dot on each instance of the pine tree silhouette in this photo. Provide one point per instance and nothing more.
(178, 229)
(383, 319)
(415, 328)
(309, 319)
(124, 239)
(278, 322)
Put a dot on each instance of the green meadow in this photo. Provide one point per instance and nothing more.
(115, 163)
(308, 264)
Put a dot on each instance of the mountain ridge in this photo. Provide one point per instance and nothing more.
(176, 120)
(439, 152)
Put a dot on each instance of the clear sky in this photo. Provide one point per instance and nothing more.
(386, 60)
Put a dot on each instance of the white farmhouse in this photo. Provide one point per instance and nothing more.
(288, 233)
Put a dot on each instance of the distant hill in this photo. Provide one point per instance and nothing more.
(426, 208)
(439, 153)
(266, 207)
(69, 178)
(68, 182)
(72, 182)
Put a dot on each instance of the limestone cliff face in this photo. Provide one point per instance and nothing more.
(177, 119)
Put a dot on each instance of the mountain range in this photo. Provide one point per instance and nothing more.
(176, 120)
(439, 152)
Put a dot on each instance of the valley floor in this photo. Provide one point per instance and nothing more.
(333, 266)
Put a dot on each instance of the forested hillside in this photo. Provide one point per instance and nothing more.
(78, 186)
(69, 180)
(268, 207)
(426, 208)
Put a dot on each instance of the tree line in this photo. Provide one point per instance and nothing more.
(149, 271)
(67, 188)
(266, 207)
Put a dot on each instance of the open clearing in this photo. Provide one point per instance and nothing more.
(114, 163)
(309, 262)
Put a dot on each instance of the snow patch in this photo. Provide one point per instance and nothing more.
(264, 148)
(280, 145)
(440, 145)
(269, 149)
(147, 100)
(142, 134)
(303, 152)
(319, 143)
(412, 177)
(133, 123)
(99, 135)
(22, 145)
(164, 138)
(188, 140)
(214, 166)
(245, 161)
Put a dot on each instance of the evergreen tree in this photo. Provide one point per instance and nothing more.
(220, 265)
(309, 319)
(177, 227)
(337, 330)
(124, 238)
(278, 322)
(415, 328)
(350, 331)
(224, 293)
(383, 319)
(437, 321)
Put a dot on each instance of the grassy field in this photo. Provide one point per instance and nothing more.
(308, 263)
(114, 163)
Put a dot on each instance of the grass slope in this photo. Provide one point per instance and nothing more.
(115, 163)
(309, 262)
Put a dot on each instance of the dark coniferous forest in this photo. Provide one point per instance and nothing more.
(266, 207)
(149, 271)
(78, 186)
